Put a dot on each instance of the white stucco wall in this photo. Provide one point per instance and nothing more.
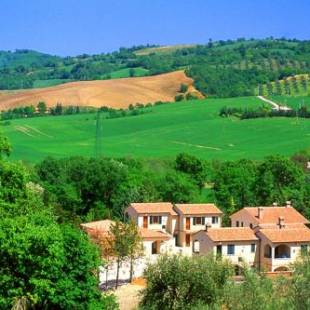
(242, 253)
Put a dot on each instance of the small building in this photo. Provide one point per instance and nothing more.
(237, 244)
(195, 217)
(281, 246)
(97, 228)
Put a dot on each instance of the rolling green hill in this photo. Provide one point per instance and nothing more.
(229, 68)
(166, 130)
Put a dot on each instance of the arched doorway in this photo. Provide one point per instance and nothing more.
(282, 251)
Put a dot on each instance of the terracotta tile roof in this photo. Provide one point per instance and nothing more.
(271, 215)
(231, 234)
(98, 227)
(149, 234)
(198, 208)
(277, 235)
(153, 207)
(103, 225)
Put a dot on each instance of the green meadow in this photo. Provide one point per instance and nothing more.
(295, 102)
(162, 132)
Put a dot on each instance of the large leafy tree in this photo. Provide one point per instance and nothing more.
(234, 184)
(43, 264)
(279, 179)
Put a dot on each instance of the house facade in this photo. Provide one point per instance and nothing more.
(282, 232)
(237, 244)
(193, 218)
(280, 247)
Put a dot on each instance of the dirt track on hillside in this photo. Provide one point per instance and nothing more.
(116, 93)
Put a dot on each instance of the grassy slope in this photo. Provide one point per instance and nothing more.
(192, 127)
(292, 101)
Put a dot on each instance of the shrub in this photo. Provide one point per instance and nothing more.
(178, 98)
(177, 282)
(183, 88)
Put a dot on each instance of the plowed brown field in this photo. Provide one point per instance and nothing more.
(116, 93)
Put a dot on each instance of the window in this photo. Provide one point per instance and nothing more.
(230, 249)
(198, 221)
(241, 224)
(237, 223)
(155, 219)
(251, 225)
(253, 248)
(196, 245)
(219, 250)
(215, 219)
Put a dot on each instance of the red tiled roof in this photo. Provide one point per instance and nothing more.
(97, 228)
(153, 207)
(103, 225)
(198, 208)
(231, 234)
(280, 235)
(149, 234)
(271, 215)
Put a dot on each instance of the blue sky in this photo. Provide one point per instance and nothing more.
(71, 27)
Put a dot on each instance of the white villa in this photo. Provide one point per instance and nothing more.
(282, 232)
(178, 222)
(267, 238)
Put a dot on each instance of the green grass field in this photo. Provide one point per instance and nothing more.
(165, 131)
(292, 101)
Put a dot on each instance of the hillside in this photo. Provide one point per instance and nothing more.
(221, 68)
(194, 127)
(297, 85)
(116, 93)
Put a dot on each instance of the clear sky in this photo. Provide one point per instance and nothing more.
(71, 27)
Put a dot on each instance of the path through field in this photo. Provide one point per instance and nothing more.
(274, 105)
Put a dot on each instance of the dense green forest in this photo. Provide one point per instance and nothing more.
(221, 68)
(85, 189)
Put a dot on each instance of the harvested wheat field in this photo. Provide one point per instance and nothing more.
(116, 93)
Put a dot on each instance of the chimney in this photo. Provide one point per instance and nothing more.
(281, 222)
(275, 204)
(288, 204)
(260, 212)
(207, 227)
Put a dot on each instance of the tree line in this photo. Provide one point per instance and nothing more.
(85, 189)
(263, 111)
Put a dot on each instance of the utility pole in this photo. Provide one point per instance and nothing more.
(98, 144)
